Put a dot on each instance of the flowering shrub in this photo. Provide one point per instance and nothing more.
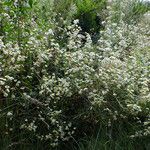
(47, 89)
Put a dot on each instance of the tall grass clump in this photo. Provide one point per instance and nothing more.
(59, 89)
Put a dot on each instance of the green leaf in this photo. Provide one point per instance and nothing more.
(31, 3)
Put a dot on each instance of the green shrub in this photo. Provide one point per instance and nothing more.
(90, 17)
(133, 10)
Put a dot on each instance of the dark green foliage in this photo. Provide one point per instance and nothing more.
(89, 15)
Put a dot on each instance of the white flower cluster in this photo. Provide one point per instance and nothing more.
(55, 88)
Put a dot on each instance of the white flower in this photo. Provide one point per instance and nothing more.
(9, 114)
(76, 21)
(50, 32)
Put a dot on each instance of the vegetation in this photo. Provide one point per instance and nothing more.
(74, 74)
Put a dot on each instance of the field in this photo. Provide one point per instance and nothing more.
(74, 75)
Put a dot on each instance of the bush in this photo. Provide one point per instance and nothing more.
(90, 16)
(54, 93)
